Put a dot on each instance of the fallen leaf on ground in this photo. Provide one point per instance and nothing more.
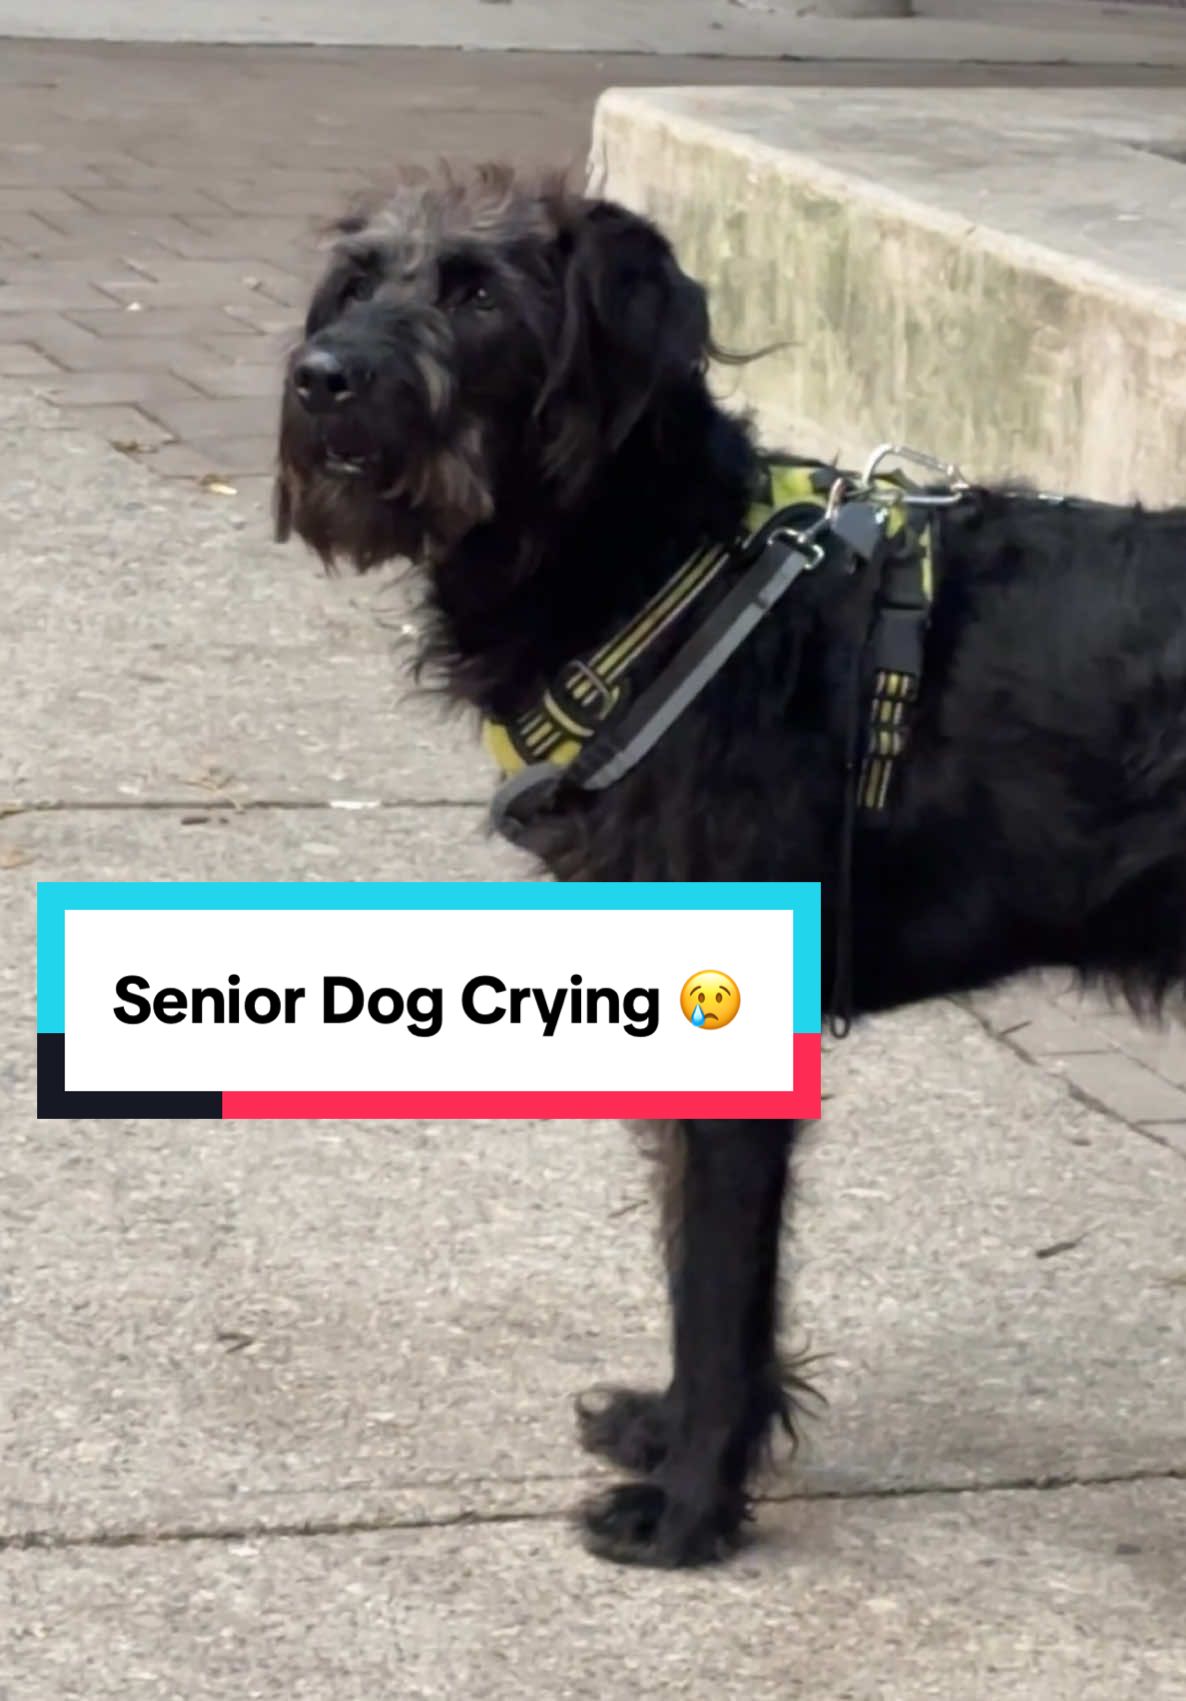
(1060, 1246)
(234, 1340)
(217, 485)
(214, 782)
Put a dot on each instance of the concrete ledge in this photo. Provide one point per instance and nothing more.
(999, 277)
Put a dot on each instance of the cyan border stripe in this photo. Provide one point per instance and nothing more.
(54, 898)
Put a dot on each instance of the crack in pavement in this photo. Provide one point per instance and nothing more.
(308, 1528)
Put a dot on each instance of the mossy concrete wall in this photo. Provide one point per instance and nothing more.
(1045, 338)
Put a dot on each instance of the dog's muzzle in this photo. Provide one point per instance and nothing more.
(369, 399)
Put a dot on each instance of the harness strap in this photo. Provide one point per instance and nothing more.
(585, 696)
(589, 690)
(901, 615)
(620, 747)
(584, 733)
(699, 661)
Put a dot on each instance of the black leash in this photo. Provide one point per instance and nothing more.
(840, 1002)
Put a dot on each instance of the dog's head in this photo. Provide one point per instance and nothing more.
(475, 344)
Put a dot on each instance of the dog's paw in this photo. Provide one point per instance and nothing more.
(641, 1524)
(627, 1425)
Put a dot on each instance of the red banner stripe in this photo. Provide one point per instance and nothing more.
(802, 1103)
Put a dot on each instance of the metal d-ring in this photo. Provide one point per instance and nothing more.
(804, 543)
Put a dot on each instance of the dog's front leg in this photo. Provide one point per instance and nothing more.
(706, 1432)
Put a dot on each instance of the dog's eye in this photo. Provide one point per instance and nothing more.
(467, 295)
(476, 297)
(360, 286)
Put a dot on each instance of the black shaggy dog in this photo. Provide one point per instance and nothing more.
(505, 383)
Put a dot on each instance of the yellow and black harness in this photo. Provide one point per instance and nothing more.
(590, 727)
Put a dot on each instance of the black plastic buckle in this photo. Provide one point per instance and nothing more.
(899, 635)
(860, 526)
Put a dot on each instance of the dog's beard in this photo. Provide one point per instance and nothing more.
(351, 501)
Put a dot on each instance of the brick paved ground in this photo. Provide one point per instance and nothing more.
(158, 208)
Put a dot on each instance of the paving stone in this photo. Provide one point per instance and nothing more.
(1125, 1087)
(153, 321)
(85, 231)
(94, 268)
(201, 236)
(236, 350)
(50, 294)
(266, 320)
(1048, 1018)
(1172, 1133)
(187, 460)
(241, 293)
(22, 360)
(126, 426)
(84, 352)
(91, 389)
(26, 230)
(1160, 1047)
(250, 455)
(214, 378)
(183, 199)
(235, 416)
(47, 204)
(1052, 1033)
(66, 343)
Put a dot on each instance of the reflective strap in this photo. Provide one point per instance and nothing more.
(578, 703)
(701, 659)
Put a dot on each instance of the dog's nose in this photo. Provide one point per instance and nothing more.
(321, 381)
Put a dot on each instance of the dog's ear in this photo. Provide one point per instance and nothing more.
(632, 324)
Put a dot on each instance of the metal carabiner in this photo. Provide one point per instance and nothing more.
(959, 485)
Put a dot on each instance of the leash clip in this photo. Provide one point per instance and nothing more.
(957, 485)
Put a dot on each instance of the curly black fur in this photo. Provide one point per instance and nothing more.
(531, 421)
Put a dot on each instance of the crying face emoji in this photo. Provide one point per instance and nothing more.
(710, 999)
